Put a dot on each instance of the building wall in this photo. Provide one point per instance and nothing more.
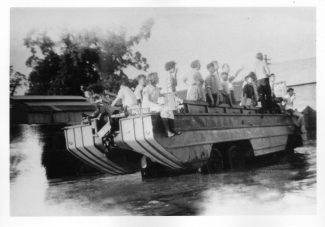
(305, 96)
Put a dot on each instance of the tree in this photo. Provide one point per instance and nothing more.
(17, 80)
(82, 59)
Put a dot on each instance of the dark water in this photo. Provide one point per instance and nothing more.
(282, 185)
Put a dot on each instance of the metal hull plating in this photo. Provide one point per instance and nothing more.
(81, 142)
(200, 131)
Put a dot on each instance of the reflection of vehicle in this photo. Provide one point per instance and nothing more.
(212, 139)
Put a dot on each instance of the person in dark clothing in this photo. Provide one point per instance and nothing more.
(263, 73)
(249, 93)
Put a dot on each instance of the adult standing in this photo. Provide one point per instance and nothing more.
(262, 73)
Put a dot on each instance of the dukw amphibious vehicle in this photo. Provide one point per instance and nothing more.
(212, 139)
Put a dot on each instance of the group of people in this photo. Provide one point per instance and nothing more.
(215, 89)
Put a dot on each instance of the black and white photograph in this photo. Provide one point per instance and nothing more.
(162, 111)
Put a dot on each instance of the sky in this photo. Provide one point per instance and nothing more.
(228, 35)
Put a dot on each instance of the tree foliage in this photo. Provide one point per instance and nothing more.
(17, 80)
(78, 60)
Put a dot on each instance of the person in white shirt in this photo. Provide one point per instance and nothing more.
(139, 88)
(288, 102)
(195, 83)
(230, 79)
(216, 73)
(126, 95)
(170, 82)
(262, 73)
(151, 95)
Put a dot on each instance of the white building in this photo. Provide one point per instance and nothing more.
(301, 76)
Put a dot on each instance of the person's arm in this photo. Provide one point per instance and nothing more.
(148, 101)
(208, 88)
(118, 97)
(96, 112)
(175, 77)
(236, 74)
(200, 78)
(266, 68)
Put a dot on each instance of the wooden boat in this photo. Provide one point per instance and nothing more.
(211, 139)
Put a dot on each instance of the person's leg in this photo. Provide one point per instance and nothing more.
(300, 116)
(166, 127)
(216, 99)
(268, 95)
(228, 100)
(209, 100)
(232, 95)
(172, 126)
(220, 95)
(261, 94)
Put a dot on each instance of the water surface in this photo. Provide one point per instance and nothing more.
(280, 185)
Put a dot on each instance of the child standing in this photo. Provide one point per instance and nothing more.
(248, 93)
(212, 86)
(226, 69)
(225, 89)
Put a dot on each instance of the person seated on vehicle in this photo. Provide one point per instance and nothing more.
(103, 110)
(225, 89)
(226, 69)
(276, 101)
(139, 88)
(126, 95)
(212, 86)
(248, 93)
(262, 72)
(288, 103)
(195, 83)
(151, 94)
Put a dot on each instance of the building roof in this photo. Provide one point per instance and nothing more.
(295, 72)
(61, 98)
(43, 103)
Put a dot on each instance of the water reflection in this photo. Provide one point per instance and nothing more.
(286, 185)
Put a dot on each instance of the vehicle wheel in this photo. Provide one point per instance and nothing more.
(236, 158)
(215, 163)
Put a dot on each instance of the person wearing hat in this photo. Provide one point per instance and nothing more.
(212, 86)
(248, 92)
(262, 73)
(195, 82)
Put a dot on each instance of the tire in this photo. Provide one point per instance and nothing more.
(215, 162)
(236, 158)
